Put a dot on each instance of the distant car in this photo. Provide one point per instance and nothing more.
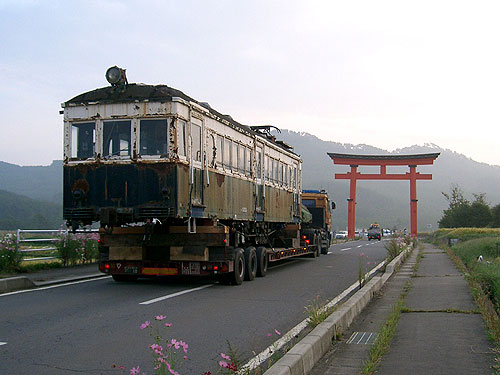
(341, 234)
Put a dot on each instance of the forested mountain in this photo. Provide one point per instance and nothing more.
(38, 189)
(36, 182)
(20, 212)
(388, 202)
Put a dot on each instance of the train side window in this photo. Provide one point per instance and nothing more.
(241, 159)
(275, 170)
(280, 171)
(116, 138)
(181, 138)
(196, 137)
(83, 140)
(211, 151)
(248, 161)
(220, 151)
(153, 137)
(234, 156)
(266, 168)
(227, 153)
(295, 177)
(258, 164)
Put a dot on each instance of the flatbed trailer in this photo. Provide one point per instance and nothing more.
(129, 253)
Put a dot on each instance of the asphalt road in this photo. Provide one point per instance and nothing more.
(87, 327)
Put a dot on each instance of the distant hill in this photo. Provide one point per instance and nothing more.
(386, 202)
(20, 212)
(35, 182)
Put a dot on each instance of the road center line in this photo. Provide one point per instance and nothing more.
(347, 248)
(175, 294)
(3, 343)
(359, 245)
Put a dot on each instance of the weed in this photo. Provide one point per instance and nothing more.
(317, 312)
(381, 344)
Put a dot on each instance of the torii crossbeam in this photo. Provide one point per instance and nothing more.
(354, 161)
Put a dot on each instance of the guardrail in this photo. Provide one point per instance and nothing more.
(21, 242)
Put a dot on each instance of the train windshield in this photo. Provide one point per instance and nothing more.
(153, 137)
(82, 140)
(116, 138)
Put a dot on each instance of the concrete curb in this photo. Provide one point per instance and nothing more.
(308, 351)
(12, 284)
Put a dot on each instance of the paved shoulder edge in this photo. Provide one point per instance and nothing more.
(308, 351)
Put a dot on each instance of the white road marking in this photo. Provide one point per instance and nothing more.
(278, 344)
(175, 294)
(329, 253)
(3, 343)
(359, 245)
(347, 248)
(54, 286)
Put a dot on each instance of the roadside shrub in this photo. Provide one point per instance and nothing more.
(73, 248)
(487, 271)
(10, 256)
(464, 234)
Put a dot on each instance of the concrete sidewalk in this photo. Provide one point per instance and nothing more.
(49, 276)
(441, 334)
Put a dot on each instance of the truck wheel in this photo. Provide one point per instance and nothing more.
(250, 263)
(261, 261)
(121, 278)
(324, 250)
(236, 277)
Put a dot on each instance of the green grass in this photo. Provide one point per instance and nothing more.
(381, 345)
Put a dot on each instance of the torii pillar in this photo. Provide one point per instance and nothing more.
(354, 161)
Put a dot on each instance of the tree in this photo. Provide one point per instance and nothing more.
(462, 213)
(495, 216)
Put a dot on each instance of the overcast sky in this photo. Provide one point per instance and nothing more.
(385, 73)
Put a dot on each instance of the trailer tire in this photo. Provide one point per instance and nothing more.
(124, 278)
(262, 261)
(236, 277)
(250, 263)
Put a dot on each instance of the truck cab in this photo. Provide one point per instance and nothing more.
(319, 229)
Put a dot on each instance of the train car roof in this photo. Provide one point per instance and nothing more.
(141, 92)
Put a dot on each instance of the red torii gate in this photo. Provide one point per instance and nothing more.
(354, 161)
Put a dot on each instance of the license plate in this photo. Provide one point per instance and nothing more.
(191, 268)
(128, 269)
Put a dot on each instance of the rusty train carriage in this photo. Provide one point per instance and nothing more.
(178, 188)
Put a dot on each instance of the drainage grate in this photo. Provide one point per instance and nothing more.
(362, 338)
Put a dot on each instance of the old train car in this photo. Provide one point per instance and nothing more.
(178, 188)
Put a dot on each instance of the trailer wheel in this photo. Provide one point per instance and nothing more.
(121, 278)
(250, 263)
(236, 277)
(261, 261)
(317, 244)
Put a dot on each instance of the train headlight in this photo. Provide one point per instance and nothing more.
(116, 76)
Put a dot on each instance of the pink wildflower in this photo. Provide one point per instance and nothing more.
(175, 343)
(269, 335)
(223, 364)
(225, 356)
(158, 349)
(146, 324)
(160, 317)
(171, 370)
(168, 324)
(134, 370)
(277, 332)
